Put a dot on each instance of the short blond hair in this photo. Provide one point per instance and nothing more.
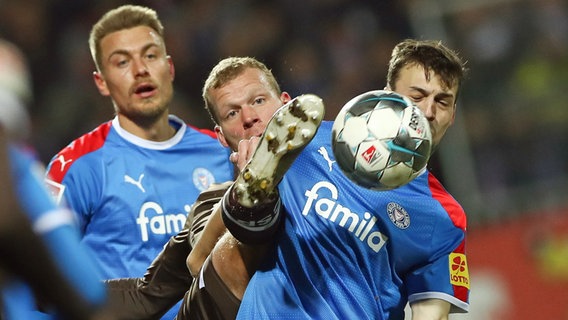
(123, 17)
(227, 70)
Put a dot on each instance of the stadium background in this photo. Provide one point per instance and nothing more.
(505, 160)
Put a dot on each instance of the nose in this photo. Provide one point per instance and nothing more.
(249, 116)
(429, 109)
(140, 68)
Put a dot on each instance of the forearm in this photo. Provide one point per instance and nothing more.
(163, 285)
(430, 309)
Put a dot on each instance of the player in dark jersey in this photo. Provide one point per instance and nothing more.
(39, 243)
(132, 180)
(354, 261)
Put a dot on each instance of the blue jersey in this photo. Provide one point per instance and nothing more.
(57, 228)
(131, 195)
(347, 252)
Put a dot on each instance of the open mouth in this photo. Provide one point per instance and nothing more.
(145, 90)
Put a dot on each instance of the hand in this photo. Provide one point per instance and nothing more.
(244, 152)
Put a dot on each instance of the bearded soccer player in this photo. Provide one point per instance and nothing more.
(132, 180)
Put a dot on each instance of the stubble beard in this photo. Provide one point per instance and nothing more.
(147, 111)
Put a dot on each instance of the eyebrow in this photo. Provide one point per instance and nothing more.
(439, 95)
(127, 52)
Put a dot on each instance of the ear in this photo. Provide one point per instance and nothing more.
(100, 83)
(285, 97)
(221, 136)
(172, 68)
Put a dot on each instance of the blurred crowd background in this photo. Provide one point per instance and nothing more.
(505, 159)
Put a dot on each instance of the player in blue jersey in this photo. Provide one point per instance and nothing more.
(132, 180)
(39, 246)
(144, 298)
(348, 252)
(343, 252)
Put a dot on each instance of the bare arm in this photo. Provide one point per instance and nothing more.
(430, 309)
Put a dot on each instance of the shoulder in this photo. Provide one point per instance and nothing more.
(323, 135)
(85, 144)
(447, 201)
(197, 136)
(205, 132)
(206, 140)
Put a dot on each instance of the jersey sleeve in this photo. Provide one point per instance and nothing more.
(164, 284)
(202, 209)
(446, 274)
(445, 278)
(72, 177)
(55, 226)
(81, 191)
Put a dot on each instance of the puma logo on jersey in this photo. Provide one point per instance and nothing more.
(137, 183)
(63, 162)
(325, 155)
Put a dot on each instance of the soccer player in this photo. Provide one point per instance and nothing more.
(340, 254)
(39, 242)
(344, 253)
(132, 180)
(145, 298)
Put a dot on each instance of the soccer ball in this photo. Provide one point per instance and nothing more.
(380, 140)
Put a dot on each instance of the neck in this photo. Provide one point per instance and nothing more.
(155, 129)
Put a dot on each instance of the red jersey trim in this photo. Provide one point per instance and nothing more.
(81, 146)
(458, 217)
(452, 207)
(208, 132)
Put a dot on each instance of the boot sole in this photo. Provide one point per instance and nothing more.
(290, 129)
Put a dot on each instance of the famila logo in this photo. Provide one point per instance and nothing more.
(152, 220)
(362, 226)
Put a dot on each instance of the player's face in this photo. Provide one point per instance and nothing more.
(432, 97)
(244, 106)
(136, 73)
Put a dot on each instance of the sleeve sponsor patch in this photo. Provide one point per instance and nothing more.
(459, 274)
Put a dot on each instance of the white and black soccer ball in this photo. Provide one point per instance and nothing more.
(380, 140)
